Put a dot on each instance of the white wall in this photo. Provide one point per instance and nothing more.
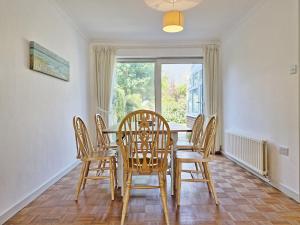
(260, 97)
(36, 110)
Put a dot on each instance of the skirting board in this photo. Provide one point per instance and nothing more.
(37, 192)
(284, 189)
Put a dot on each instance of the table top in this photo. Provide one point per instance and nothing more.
(175, 128)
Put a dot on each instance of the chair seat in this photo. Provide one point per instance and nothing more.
(183, 144)
(107, 147)
(155, 167)
(190, 157)
(100, 155)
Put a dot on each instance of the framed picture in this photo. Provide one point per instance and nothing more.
(47, 62)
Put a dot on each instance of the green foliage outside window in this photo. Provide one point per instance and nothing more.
(134, 89)
(174, 101)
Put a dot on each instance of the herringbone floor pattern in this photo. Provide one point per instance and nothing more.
(244, 199)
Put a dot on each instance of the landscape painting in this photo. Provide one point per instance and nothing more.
(47, 62)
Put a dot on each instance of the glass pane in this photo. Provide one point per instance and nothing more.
(196, 101)
(196, 79)
(190, 105)
(196, 90)
(201, 96)
(133, 89)
(181, 95)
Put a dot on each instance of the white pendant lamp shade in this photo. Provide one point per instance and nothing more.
(167, 5)
(173, 21)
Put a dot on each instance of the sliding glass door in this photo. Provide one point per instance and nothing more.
(173, 87)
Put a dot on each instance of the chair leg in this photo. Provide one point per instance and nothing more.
(205, 174)
(103, 166)
(125, 176)
(80, 179)
(178, 178)
(115, 173)
(86, 172)
(126, 198)
(212, 186)
(164, 177)
(196, 165)
(175, 176)
(163, 194)
(99, 168)
(112, 179)
(201, 169)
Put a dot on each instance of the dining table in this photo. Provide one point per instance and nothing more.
(175, 129)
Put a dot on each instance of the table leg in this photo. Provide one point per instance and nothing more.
(175, 138)
(120, 171)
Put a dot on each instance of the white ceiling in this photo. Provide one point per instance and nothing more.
(134, 21)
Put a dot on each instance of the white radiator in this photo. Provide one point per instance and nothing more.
(250, 152)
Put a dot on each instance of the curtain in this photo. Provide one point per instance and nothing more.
(104, 69)
(212, 86)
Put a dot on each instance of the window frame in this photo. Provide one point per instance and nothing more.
(157, 73)
(200, 91)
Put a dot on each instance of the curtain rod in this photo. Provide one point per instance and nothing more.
(151, 46)
(156, 58)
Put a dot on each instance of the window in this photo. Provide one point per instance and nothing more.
(195, 91)
(173, 87)
(133, 88)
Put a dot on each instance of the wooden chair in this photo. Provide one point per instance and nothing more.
(196, 134)
(103, 141)
(144, 138)
(88, 154)
(202, 158)
(194, 141)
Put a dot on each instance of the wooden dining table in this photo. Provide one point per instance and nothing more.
(175, 130)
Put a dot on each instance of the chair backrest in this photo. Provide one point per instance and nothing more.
(144, 138)
(83, 142)
(197, 130)
(103, 139)
(209, 136)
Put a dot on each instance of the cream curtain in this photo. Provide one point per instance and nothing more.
(105, 58)
(212, 86)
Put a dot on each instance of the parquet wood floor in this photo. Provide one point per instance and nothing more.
(244, 199)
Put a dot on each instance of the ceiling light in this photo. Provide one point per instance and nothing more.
(173, 21)
(167, 5)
